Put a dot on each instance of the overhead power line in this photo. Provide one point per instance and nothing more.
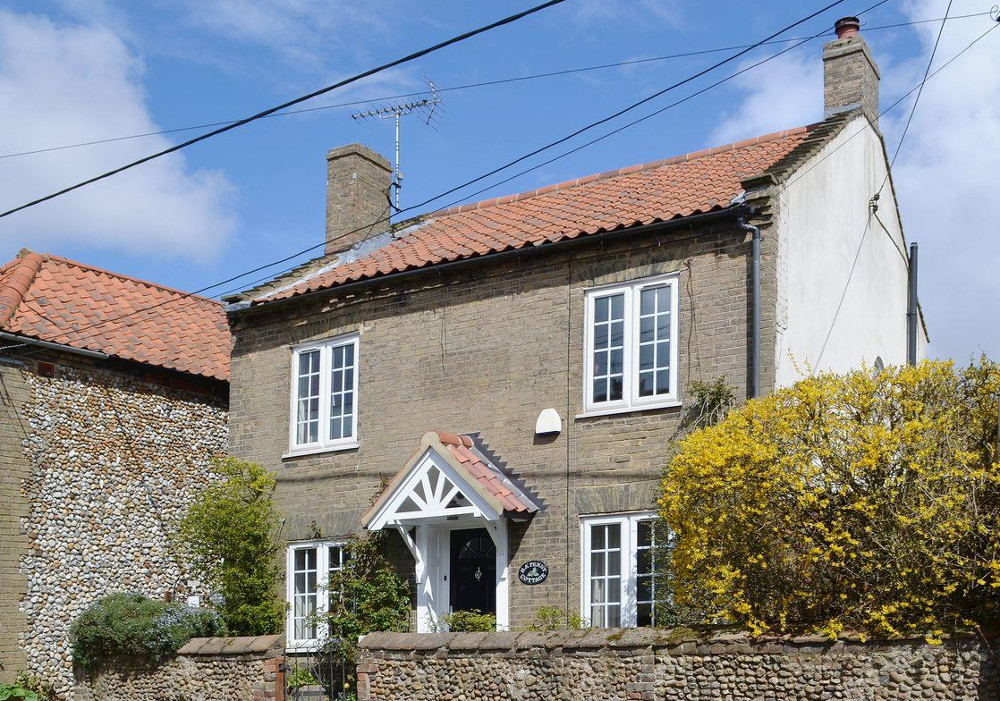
(316, 93)
(891, 107)
(920, 91)
(469, 86)
(384, 218)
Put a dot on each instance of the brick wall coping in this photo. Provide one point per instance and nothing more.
(247, 645)
(681, 641)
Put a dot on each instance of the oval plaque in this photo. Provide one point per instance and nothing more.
(533, 572)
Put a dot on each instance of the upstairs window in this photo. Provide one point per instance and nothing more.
(325, 395)
(631, 345)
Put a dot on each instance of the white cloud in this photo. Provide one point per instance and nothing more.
(310, 34)
(947, 174)
(782, 93)
(67, 84)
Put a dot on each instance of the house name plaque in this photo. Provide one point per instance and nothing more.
(533, 572)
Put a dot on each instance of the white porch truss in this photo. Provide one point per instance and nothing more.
(449, 484)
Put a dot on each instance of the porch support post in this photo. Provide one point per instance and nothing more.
(498, 532)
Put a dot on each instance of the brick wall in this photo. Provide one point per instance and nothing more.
(13, 512)
(615, 665)
(485, 348)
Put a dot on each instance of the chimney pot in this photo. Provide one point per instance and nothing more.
(357, 195)
(846, 27)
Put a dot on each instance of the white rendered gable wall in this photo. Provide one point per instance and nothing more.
(822, 217)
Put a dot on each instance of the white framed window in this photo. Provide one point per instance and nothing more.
(324, 409)
(310, 567)
(631, 345)
(618, 578)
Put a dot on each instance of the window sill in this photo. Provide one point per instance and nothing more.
(303, 647)
(297, 453)
(672, 404)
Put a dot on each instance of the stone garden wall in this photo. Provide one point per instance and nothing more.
(206, 669)
(613, 665)
(112, 460)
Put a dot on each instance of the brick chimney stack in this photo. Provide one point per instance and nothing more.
(357, 195)
(850, 74)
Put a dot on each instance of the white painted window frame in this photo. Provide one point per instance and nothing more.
(629, 565)
(324, 444)
(631, 401)
(322, 548)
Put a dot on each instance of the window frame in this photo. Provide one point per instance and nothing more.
(630, 401)
(324, 442)
(322, 548)
(628, 597)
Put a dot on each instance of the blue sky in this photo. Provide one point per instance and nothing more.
(79, 70)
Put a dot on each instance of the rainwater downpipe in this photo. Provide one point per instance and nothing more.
(911, 308)
(753, 389)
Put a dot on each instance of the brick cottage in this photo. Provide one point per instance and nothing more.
(517, 368)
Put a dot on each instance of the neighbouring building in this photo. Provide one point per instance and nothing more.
(516, 368)
(113, 399)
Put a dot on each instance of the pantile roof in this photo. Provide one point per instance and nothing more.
(57, 300)
(486, 472)
(673, 188)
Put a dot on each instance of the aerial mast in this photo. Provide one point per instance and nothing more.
(426, 107)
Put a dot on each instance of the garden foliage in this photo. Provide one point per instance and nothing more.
(865, 502)
(366, 596)
(473, 621)
(230, 533)
(135, 629)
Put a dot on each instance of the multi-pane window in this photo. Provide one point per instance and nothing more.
(305, 593)
(645, 574)
(631, 345)
(609, 347)
(606, 575)
(325, 394)
(619, 576)
(335, 565)
(311, 567)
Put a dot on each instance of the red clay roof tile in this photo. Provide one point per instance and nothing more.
(62, 301)
(668, 189)
(485, 472)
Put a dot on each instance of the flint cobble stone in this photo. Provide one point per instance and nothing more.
(649, 664)
(113, 462)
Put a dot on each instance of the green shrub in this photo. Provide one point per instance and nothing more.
(16, 692)
(137, 629)
(230, 533)
(858, 501)
(299, 677)
(470, 622)
(555, 618)
(366, 596)
(43, 691)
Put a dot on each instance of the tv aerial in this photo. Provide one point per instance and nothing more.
(428, 109)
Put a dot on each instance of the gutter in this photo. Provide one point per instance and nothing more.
(246, 307)
(51, 346)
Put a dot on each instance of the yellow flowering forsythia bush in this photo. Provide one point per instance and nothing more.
(862, 502)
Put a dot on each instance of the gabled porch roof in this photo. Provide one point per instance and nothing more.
(448, 475)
